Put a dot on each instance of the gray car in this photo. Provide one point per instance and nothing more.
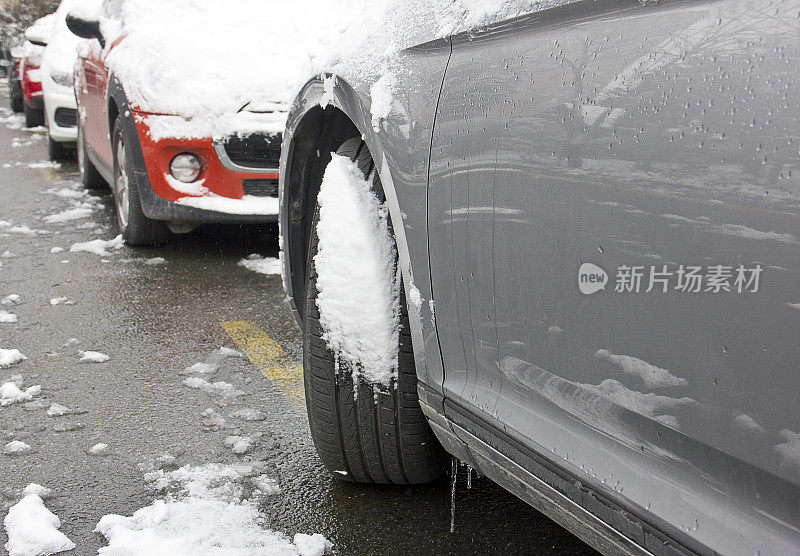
(596, 209)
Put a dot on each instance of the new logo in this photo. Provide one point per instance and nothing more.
(591, 278)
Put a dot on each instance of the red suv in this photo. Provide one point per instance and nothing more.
(163, 182)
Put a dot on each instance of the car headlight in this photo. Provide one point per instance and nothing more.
(62, 78)
(185, 167)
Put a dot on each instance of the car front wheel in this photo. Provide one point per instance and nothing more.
(364, 433)
(135, 227)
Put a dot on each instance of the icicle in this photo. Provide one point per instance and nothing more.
(469, 476)
(453, 476)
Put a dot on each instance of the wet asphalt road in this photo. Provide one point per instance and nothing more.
(156, 320)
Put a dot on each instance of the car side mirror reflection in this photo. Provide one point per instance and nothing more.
(85, 29)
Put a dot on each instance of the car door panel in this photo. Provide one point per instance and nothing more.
(630, 136)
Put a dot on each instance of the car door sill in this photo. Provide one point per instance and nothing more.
(561, 502)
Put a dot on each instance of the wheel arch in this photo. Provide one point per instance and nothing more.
(317, 125)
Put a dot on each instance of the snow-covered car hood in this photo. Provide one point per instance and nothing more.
(204, 61)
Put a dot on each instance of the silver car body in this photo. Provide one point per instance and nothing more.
(557, 183)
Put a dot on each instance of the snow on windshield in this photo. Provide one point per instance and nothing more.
(208, 61)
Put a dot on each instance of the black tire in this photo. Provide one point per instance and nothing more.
(382, 438)
(33, 117)
(56, 151)
(135, 227)
(90, 177)
(15, 99)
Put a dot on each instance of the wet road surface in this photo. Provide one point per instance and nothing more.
(154, 320)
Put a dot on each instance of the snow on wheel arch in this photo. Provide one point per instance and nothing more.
(357, 277)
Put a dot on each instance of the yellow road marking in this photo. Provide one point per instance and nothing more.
(269, 358)
(50, 175)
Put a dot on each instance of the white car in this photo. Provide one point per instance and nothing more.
(58, 63)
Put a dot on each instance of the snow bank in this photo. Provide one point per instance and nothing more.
(99, 247)
(10, 357)
(32, 529)
(262, 265)
(205, 511)
(357, 279)
(158, 59)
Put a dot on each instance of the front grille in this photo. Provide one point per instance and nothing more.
(258, 150)
(261, 187)
(66, 117)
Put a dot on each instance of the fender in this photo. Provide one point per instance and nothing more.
(406, 191)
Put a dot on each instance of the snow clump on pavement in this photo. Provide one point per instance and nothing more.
(201, 369)
(11, 393)
(33, 529)
(262, 265)
(99, 449)
(228, 352)
(205, 511)
(248, 414)
(93, 357)
(16, 448)
(57, 410)
(75, 213)
(10, 357)
(12, 299)
(99, 247)
(221, 388)
(357, 280)
(239, 444)
(6, 317)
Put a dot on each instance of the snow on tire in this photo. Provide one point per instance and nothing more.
(360, 378)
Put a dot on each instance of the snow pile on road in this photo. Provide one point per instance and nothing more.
(98, 246)
(10, 357)
(33, 529)
(16, 448)
(11, 393)
(75, 213)
(99, 449)
(92, 357)
(157, 60)
(12, 299)
(6, 317)
(220, 388)
(262, 265)
(357, 279)
(208, 509)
